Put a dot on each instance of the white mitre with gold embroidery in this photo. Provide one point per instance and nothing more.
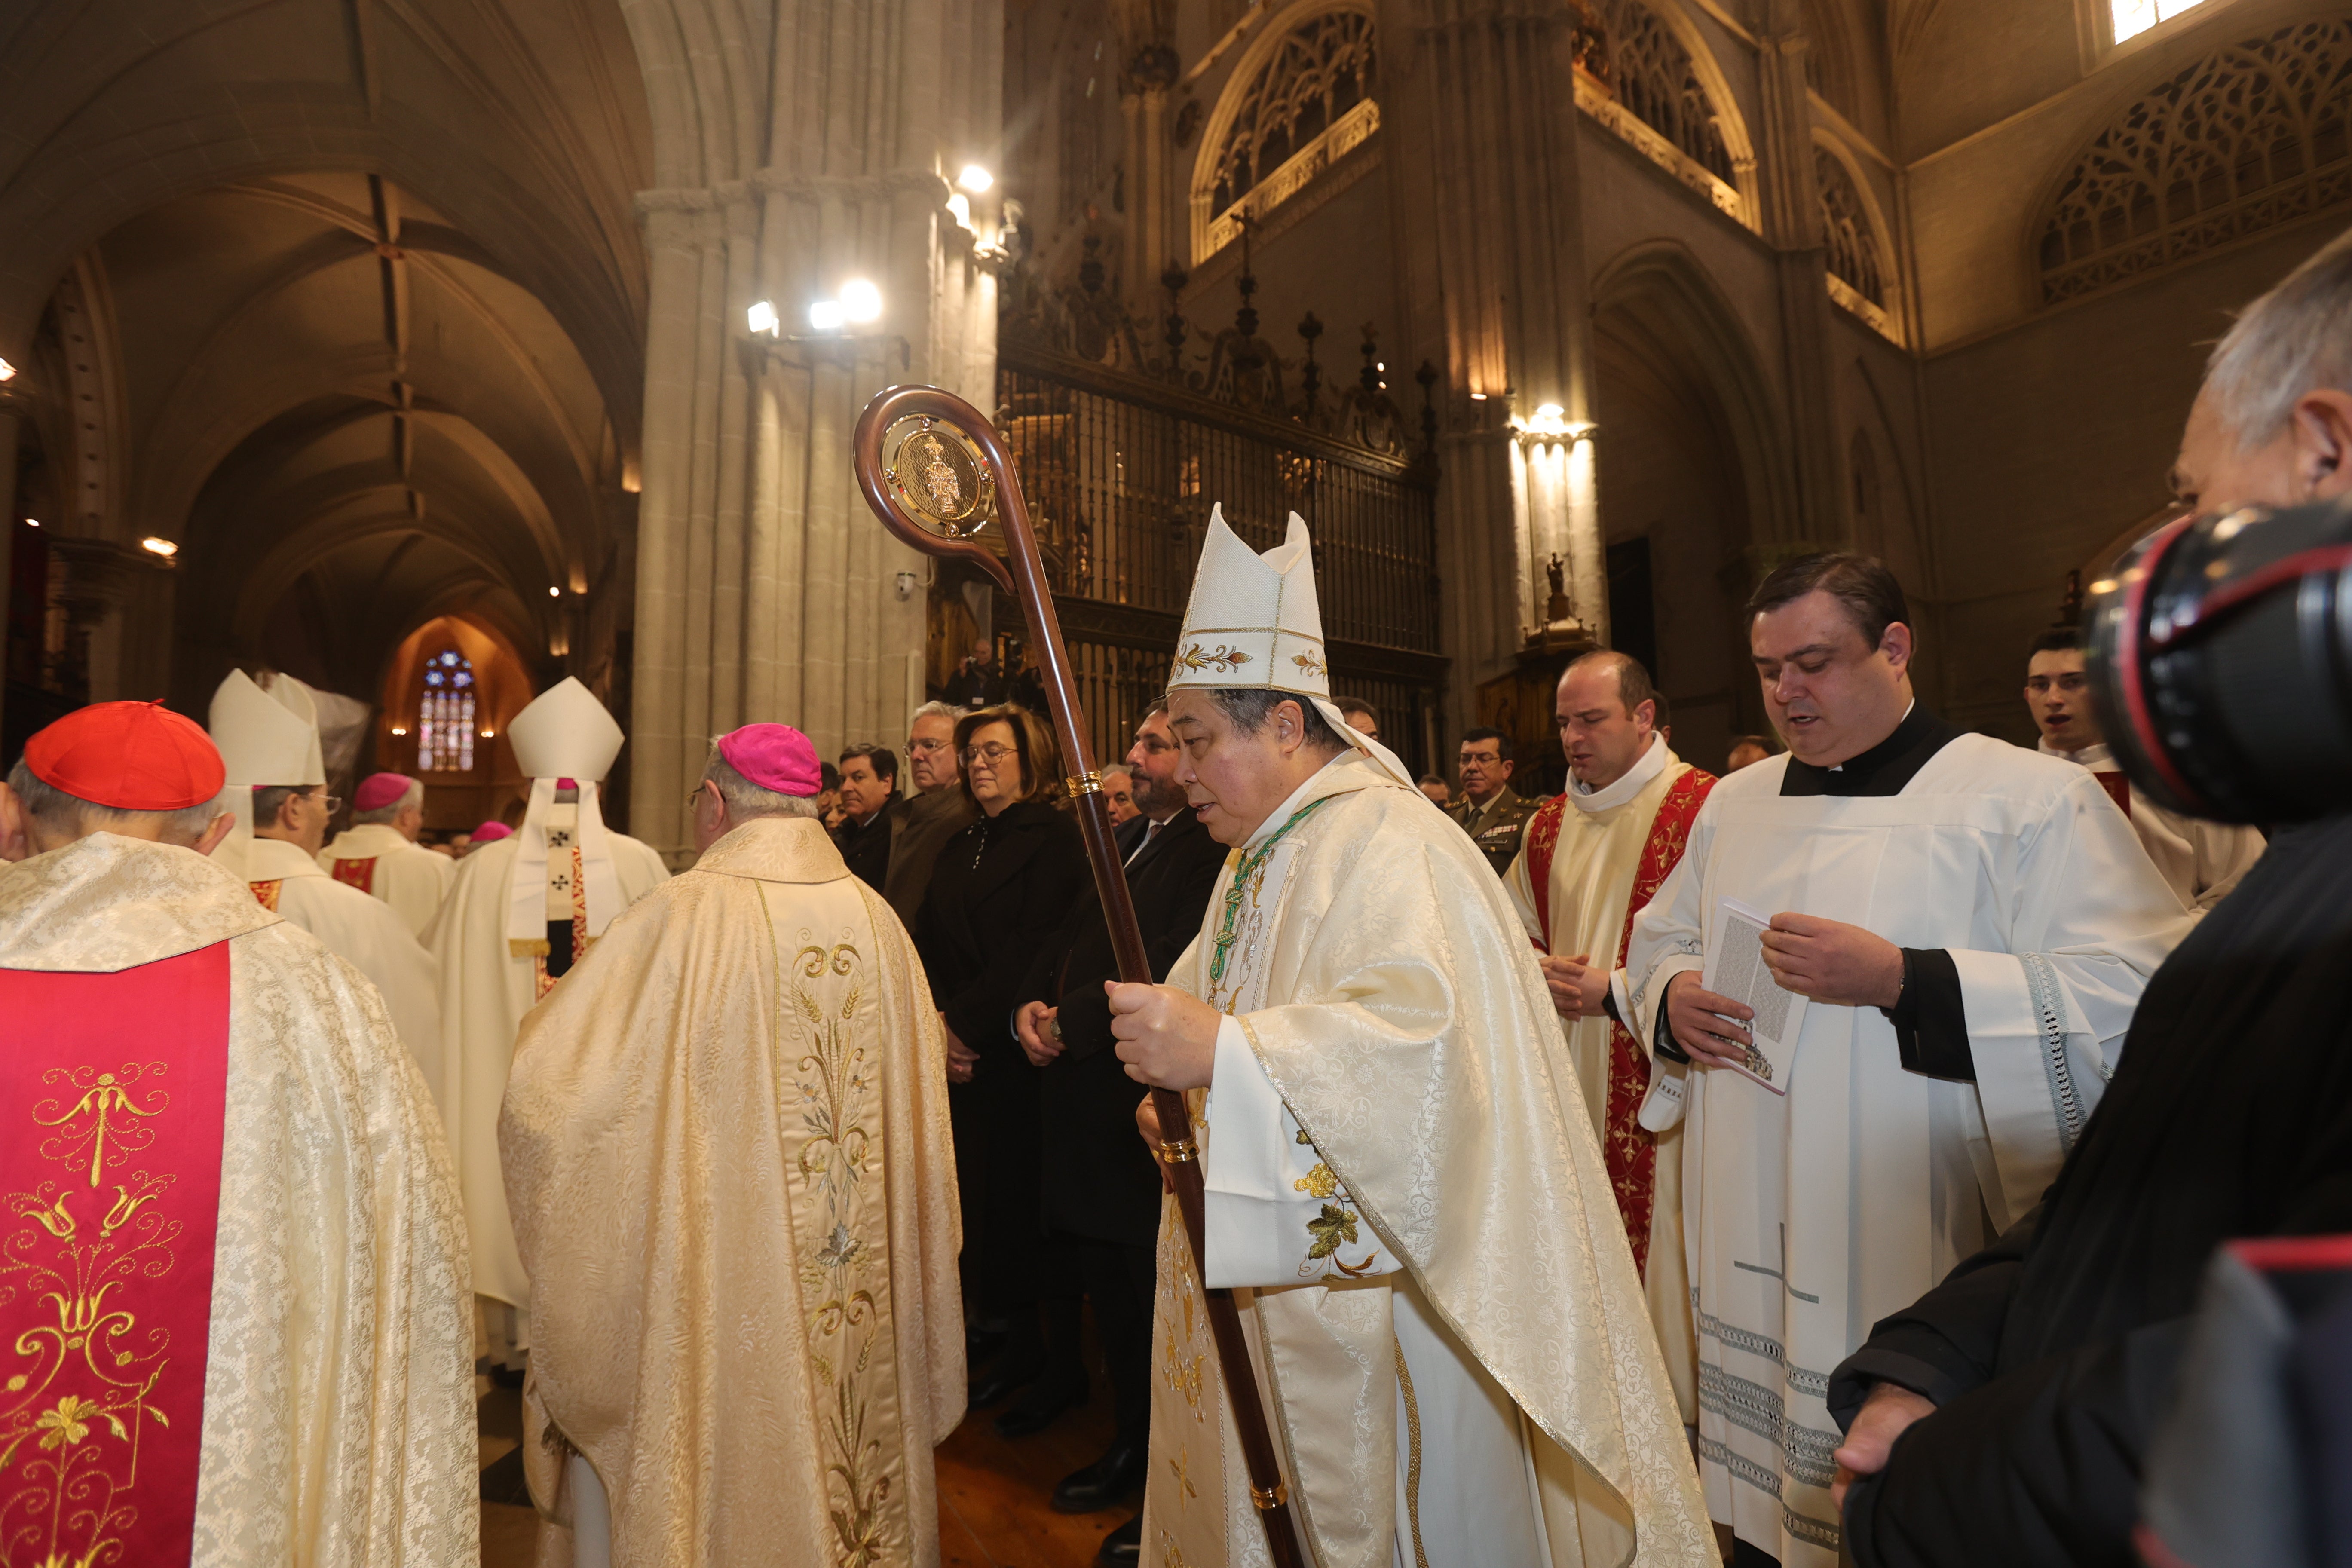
(266, 736)
(1253, 621)
(565, 733)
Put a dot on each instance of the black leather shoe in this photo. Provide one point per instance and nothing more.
(1041, 1406)
(1123, 1547)
(1105, 1482)
(997, 1384)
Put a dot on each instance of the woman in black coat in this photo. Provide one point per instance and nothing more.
(1000, 890)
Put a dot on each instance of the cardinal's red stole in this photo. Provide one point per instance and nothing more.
(113, 1089)
(1628, 1150)
(360, 874)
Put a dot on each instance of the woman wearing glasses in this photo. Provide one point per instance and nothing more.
(999, 892)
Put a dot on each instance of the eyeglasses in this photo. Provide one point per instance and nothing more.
(924, 748)
(330, 804)
(992, 754)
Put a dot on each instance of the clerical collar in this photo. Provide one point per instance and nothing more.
(1884, 769)
(1647, 766)
(2095, 756)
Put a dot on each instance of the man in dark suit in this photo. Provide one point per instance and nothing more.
(1101, 1187)
(869, 797)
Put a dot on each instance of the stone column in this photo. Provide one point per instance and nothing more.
(765, 589)
(1792, 225)
(1479, 116)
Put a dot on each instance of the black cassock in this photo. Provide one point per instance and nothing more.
(2052, 1354)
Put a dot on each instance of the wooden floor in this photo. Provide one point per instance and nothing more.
(992, 1493)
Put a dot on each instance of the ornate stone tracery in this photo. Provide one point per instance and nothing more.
(1636, 77)
(2253, 136)
(1306, 106)
(1858, 266)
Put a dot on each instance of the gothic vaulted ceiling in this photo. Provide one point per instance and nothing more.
(345, 297)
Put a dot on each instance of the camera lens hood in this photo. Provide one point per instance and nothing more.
(2220, 658)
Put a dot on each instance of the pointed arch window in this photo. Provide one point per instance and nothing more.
(1305, 108)
(444, 718)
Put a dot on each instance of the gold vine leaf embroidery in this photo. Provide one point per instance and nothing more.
(1223, 658)
(1318, 1182)
(1332, 1228)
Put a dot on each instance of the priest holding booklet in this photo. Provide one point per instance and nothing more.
(1972, 927)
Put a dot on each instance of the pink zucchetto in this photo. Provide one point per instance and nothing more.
(379, 789)
(489, 832)
(774, 756)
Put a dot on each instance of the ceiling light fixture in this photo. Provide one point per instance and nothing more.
(975, 179)
(861, 301)
(163, 547)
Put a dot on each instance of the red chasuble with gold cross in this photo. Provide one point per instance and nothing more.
(112, 1092)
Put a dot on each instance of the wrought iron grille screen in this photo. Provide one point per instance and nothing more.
(1121, 471)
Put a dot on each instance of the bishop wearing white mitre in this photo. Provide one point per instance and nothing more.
(1972, 924)
(1404, 1188)
(520, 912)
(269, 743)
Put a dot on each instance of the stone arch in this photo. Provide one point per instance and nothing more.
(1652, 60)
(2250, 136)
(1324, 51)
(1691, 455)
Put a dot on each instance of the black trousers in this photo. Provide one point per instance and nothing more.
(1120, 1279)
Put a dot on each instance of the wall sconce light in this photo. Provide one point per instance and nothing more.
(974, 178)
(762, 317)
(489, 734)
(400, 729)
(163, 547)
(32, 522)
(554, 592)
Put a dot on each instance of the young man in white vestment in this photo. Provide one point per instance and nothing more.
(242, 1327)
(1594, 856)
(277, 798)
(520, 913)
(379, 855)
(729, 1160)
(1404, 1188)
(2200, 861)
(1972, 924)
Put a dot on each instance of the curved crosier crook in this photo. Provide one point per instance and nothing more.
(951, 492)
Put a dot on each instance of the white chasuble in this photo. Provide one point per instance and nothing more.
(487, 984)
(378, 860)
(1594, 862)
(339, 1421)
(364, 934)
(1807, 1216)
(1404, 1191)
(732, 1179)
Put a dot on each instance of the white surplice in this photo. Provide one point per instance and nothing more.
(1594, 864)
(1811, 1215)
(485, 988)
(365, 933)
(338, 1422)
(2201, 860)
(1442, 1307)
(410, 877)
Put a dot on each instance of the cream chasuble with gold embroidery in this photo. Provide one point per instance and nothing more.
(1602, 835)
(1404, 1190)
(728, 1159)
(338, 1365)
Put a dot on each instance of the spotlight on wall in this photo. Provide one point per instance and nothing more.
(554, 593)
(861, 301)
(7, 370)
(974, 178)
(959, 209)
(400, 729)
(32, 522)
(489, 734)
(762, 316)
(163, 547)
(826, 315)
(1549, 411)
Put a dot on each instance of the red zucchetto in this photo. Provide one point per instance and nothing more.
(130, 757)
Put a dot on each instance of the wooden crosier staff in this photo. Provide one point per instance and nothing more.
(929, 491)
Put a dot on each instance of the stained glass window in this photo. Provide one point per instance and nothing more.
(2133, 17)
(445, 719)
